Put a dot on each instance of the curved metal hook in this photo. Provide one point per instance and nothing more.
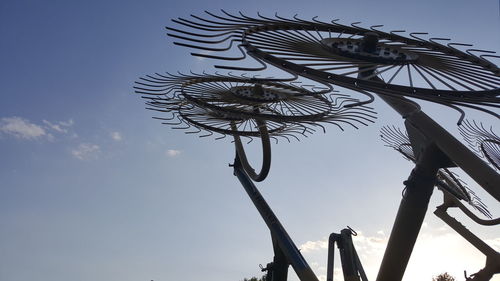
(266, 152)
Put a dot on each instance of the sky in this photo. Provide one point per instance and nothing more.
(93, 188)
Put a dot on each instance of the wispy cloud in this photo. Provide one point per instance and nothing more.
(21, 128)
(24, 129)
(116, 136)
(60, 127)
(311, 246)
(86, 151)
(172, 152)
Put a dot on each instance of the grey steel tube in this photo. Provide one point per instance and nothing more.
(291, 252)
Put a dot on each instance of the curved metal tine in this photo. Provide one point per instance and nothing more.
(469, 51)
(194, 132)
(173, 76)
(165, 119)
(207, 135)
(240, 48)
(386, 138)
(491, 56)
(164, 79)
(263, 66)
(314, 19)
(207, 48)
(221, 137)
(152, 89)
(371, 98)
(393, 137)
(336, 121)
(322, 90)
(478, 108)
(450, 45)
(290, 135)
(199, 34)
(202, 41)
(238, 18)
(268, 20)
(296, 17)
(230, 19)
(377, 25)
(358, 119)
(364, 118)
(194, 26)
(434, 39)
(393, 32)
(413, 35)
(342, 121)
(355, 25)
(143, 91)
(250, 139)
(155, 83)
(216, 22)
(459, 186)
(161, 79)
(198, 24)
(174, 124)
(196, 75)
(336, 24)
(249, 18)
(285, 19)
(397, 135)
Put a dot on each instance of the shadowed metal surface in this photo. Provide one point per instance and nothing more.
(212, 103)
(331, 52)
(398, 140)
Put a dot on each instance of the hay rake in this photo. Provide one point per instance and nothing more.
(369, 61)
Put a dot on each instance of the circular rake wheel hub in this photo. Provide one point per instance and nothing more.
(260, 94)
(266, 101)
(383, 54)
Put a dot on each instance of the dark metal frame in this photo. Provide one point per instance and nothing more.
(286, 252)
(434, 148)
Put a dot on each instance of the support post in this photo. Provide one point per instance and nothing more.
(411, 213)
(278, 232)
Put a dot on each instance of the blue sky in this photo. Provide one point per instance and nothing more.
(91, 188)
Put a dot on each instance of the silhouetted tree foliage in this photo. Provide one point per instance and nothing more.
(444, 277)
(263, 278)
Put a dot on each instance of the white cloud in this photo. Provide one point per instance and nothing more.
(311, 246)
(21, 128)
(86, 151)
(116, 136)
(25, 129)
(60, 127)
(172, 152)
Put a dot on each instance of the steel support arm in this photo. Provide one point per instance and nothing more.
(278, 232)
(410, 216)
